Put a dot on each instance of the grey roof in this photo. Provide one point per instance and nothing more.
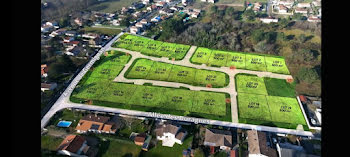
(286, 152)
(166, 128)
(257, 144)
(218, 137)
(92, 117)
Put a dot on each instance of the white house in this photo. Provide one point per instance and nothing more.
(287, 3)
(48, 86)
(139, 24)
(73, 145)
(170, 134)
(90, 35)
(316, 3)
(218, 138)
(160, 4)
(211, 1)
(46, 28)
(313, 19)
(195, 14)
(303, 5)
(134, 30)
(144, 21)
(301, 10)
(282, 9)
(268, 20)
(53, 23)
(115, 22)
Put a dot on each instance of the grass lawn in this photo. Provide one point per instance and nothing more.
(178, 99)
(106, 71)
(93, 88)
(255, 62)
(279, 87)
(138, 43)
(159, 71)
(201, 56)
(118, 92)
(218, 58)
(111, 5)
(285, 110)
(182, 74)
(166, 49)
(118, 148)
(139, 68)
(250, 84)
(148, 96)
(276, 65)
(151, 48)
(169, 72)
(50, 143)
(115, 58)
(252, 106)
(175, 151)
(236, 59)
(107, 31)
(180, 51)
(210, 103)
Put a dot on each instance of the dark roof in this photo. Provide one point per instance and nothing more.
(257, 144)
(219, 137)
(72, 143)
(92, 117)
(170, 128)
(286, 152)
(181, 134)
(264, 149)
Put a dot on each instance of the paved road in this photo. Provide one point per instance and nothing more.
(63, 101)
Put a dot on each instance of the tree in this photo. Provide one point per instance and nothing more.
(249, 15)
(302, 38)
(270, 37)
(126, 21)
(257, 35)
(214, 9)
(229, 11)
(172, 27)
(308, 75)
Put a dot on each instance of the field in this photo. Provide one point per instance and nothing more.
(201, 56)
(268, 101)
(255, 62)
(250, 84)
(111, 6)
(152, 70)
(152, 47)
(240, 60)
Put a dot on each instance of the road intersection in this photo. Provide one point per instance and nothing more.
(63, 101)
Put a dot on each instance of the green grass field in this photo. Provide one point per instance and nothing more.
(210, 103)
(151, 48)
(201, 55)
(255, 62)
(276, 65)
(250, 84)
(252, 106)
(218, 58)
(268, 101)
(152, 70)
(236, 59)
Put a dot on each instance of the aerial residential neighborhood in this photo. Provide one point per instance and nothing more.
(191, 78)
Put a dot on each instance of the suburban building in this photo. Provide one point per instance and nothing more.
(44, 70)
(46, 28)
(257, 7)
(134, 30)
(209, 1)
(140, 139)
(97, 124)
(268, 19)
(219, 138)
(160, 3)
(78, 21)
(73, 145)
(170, 134)
(90, 35)
(48, 86)
(73, 50)
(68, 39)
(71, 33)
(115, 22)
(257, 145)
(282, 8)
(303, 5)
(58, 32)
(146, 143)
(139, 24)
(52, 23)
(143, 21)
(313, 19)
(301, 10)
(316, 3)
(287, 3)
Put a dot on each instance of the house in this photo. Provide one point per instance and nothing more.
(97, 124)
(302, 98)
(73, 50)
(184, 2)
(48, 86)
(139, 24)
(316, 3)
(268, 19)
(282, 9)
(301, 10)
(211, 1)
(78, 21)
(134, 30)
(174, 8)
(73, 43)
(289, 150)
(96, 42)
(156, 19)
(68, 39)
(46, 28)
(313, 19)
(287, 3)
(140, 139)
(218, 138)
(143, 21)
(303, 5)
(257, 6)
(170, 133)
(58, 32)
(73, 145)
(71, 33)
(44, 70)
(115, 22)
(90, 35)
(234, 153)
(124, 10)
(160, 3)
(257, 145)
(195, 14)
(53, 23)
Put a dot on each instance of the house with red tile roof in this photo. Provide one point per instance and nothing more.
(44, 70)
(73, 145)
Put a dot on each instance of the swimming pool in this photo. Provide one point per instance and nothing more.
(64, 124)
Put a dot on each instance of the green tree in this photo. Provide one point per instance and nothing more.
(249, 15)
(172, 27)
(308, 75)
(302, 38)
(214, 9)
(257, 35)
